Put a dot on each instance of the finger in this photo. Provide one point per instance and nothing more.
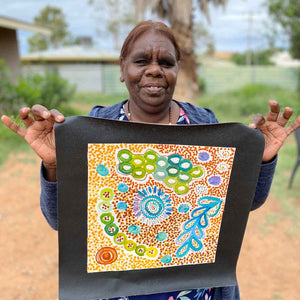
(57, 116)
(274, 111)
(13, 126)
(283, 119)
(25, 117)
(293, 126)
(257, 121)
(40, 112)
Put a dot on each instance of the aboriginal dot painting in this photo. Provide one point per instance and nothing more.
(153, 205)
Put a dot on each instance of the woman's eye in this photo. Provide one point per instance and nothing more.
(140, 61)
(167, 63)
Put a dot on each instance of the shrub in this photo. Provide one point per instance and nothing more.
(254, 98)
(257, 57)
(242, 104)
(50, 90)
(7, 92)
(53, 89)
(202, 85)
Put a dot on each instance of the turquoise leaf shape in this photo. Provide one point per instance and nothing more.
(193, 229)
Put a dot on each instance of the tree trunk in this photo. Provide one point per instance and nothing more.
(180, 17)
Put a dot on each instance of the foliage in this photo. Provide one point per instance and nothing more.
(49, 90)
(258, 58)
(164, 9)
(242, 104)
(203, 39)
(38, 42)
(10, 142)
(53, 18)
(7, 93)
(202, 85)
(114, 16)
(287, 14)
(4, 73)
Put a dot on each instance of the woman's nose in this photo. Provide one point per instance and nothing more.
(154, 69)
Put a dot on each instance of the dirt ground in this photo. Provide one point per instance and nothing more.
(268, 267)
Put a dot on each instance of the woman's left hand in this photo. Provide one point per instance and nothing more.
(273, 128)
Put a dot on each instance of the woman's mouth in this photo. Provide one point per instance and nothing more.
(153, 89)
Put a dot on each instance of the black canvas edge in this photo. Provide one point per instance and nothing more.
(74, 278)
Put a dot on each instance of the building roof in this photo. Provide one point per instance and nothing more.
(72, 54)
(213, 61)
(17, 24)
(223, 55)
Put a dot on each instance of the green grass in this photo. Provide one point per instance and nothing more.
(242, 105)
(288, 199)
(277, 297)
(10, 143)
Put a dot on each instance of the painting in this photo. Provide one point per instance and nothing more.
(146, 208)
(155, 205)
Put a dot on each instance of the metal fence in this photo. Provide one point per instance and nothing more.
(223, 79)
(105, 78)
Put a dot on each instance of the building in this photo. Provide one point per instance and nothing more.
(9, 50)
(90, 69)
(284, 59)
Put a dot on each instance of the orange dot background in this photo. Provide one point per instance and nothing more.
(106, 154)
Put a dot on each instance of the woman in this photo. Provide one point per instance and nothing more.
(149, 64)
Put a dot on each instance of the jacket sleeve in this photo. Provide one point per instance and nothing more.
(264, 182)
(48, 200)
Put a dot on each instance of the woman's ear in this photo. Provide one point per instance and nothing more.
(122, 79)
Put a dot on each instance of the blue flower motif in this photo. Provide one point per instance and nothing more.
(122, 205)
(166, 259)
(183, 208)
(102, 170)
(161, 236)
(134, 229)
(152, 206)
(123, 187)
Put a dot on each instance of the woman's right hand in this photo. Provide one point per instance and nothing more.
(39, 133)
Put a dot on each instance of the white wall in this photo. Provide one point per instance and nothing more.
(87, 77)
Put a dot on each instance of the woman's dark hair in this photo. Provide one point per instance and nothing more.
(146, 26)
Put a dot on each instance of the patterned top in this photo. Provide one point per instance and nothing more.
(198, 294)
(182, 119)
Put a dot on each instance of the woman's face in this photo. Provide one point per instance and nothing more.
(150, 72)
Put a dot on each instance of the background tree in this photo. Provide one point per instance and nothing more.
(179, 13)
(116, 16)
(204, 41)
(53, 18)
(287, 14)
(261, 57)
